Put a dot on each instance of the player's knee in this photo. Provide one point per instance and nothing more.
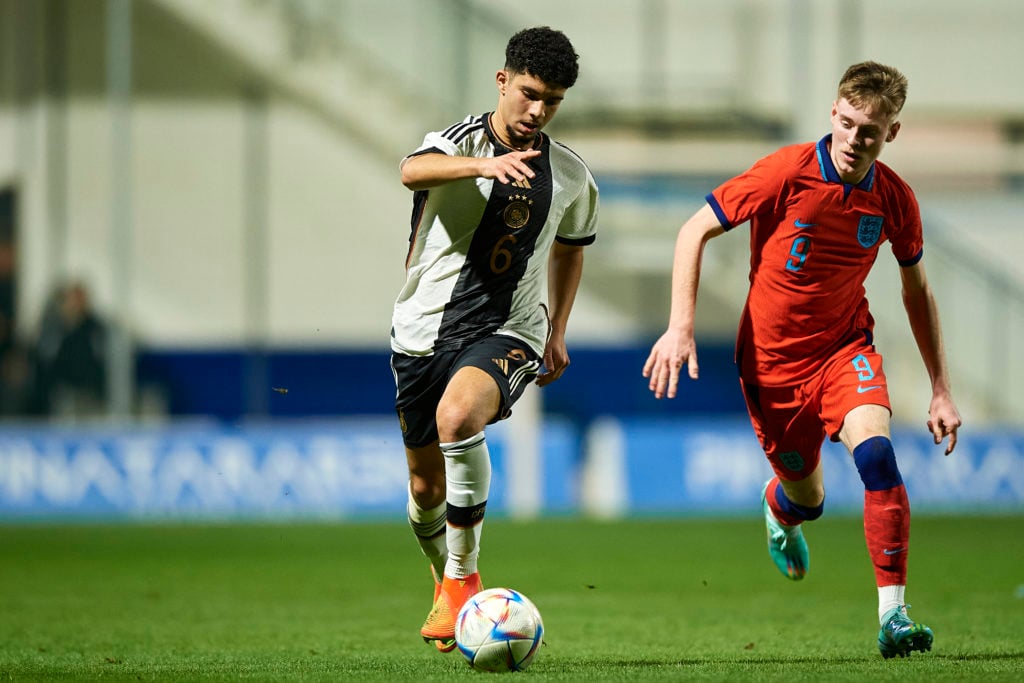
(427, 489)
(876, 463)
(456, 421)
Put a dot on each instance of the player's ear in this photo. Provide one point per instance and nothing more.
(501, 78)
(893, 130)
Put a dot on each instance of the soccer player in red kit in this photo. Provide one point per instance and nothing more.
(819, 213)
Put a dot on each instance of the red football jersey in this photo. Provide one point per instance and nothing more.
(813, 240)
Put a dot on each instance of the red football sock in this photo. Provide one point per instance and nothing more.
(887, 532)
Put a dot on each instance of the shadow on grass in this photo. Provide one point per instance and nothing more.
(981, 656)
(782, 660)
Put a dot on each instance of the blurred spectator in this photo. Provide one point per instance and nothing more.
(7, 290)
(16, 381)
(71, 355)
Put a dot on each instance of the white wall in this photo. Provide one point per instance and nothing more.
(340, 226)
(336, 215)
(337, 218)
(960, 57)
(337, 222)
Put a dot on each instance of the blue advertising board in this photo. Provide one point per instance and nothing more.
(355, 467)
(717, 466)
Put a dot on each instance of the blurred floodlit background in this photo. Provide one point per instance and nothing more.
(202, 231)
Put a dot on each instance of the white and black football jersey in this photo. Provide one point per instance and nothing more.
(478, 250)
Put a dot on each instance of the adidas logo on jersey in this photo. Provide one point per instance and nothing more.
(524, 184)
(503, 364)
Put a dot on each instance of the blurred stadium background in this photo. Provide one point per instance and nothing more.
(202, 231)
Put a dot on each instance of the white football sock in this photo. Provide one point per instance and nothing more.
(468, 473)
(889, 598)
(429, 528)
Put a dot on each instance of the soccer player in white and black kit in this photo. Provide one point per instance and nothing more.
(501, 213)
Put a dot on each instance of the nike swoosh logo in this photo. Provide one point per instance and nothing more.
(800, 224)
(893, 552)
(861, 390)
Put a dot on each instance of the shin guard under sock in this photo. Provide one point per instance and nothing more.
(468, 475)
(886, 510)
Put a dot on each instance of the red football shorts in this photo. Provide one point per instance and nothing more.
(792, 421)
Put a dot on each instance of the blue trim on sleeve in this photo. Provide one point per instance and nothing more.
(713, 203)
(913, 259)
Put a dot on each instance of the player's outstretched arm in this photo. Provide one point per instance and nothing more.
(677, 347)
(943, 416)
(423, 171)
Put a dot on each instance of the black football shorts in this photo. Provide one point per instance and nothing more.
(421, 381)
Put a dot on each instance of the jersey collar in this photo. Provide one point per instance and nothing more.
(499, 146)
(828, 170)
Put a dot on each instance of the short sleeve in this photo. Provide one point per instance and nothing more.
(908, 237)
(579, 224)
(455, 141)
(755, 191)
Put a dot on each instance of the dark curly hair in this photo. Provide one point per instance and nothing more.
(545, 53)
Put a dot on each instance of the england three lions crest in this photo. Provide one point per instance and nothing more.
(869, 230)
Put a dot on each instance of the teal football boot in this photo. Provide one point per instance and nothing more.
(901, 636)
(786, 544)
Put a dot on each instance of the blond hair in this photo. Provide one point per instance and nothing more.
(875, 86)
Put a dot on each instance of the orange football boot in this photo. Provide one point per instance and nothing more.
(442, 644)
(452, 594)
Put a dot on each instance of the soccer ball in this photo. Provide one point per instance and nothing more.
(499, 629)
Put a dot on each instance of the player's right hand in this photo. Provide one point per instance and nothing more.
(511, 167)
(668, 356)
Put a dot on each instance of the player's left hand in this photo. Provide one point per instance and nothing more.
(943, 420)
(556, 360)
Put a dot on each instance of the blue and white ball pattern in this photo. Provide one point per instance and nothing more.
(499, 629)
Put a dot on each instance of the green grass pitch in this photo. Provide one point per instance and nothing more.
(634, 600)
